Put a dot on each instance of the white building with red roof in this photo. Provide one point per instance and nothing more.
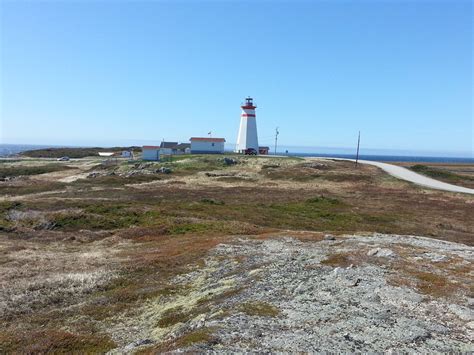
(207, 145)
(151, 152)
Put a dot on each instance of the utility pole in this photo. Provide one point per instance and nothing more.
(358, 144)
(276, 139)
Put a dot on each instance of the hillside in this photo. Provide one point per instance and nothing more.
(241, 254)
(73, 152)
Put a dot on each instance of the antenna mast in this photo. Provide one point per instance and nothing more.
(358, 144)
(276, 139)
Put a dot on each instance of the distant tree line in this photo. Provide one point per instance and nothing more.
(73, 152)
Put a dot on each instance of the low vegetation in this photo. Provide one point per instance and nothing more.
(57, 342)
(338, 260)
(444, 175)
(259, 309)
(31, 187)
(73, 152)
(431, 283)
(203, 335)
(200, 336)
(5, 208)
(173, 316)
(99, 247)
(15, 171)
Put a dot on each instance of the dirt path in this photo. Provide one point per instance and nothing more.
(408, 175)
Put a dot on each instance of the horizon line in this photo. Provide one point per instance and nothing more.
(283, 147)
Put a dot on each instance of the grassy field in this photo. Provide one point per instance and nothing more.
(444, 174)
(16, 171)
(78, 255)
(457, 174)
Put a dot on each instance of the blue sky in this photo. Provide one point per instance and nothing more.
(132, 72)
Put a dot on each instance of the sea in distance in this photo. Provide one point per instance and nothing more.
(9, 150)
(393, 158)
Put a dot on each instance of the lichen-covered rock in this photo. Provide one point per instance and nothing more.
(321, 297)
(380, 252)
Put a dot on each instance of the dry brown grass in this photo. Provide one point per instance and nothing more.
(433, 284)
(259, 309)
(54, 341)
(173, 316)
(428, 283)
(97, 266)
(147, 266)
(338, 259)
(447, 279)
(354, 257)
(201, 335)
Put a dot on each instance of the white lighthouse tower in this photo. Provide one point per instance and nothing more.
(247, 137)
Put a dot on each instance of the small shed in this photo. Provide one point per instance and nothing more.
(151, 152)
(205, 145)
(182, 148)
(263, 150)
(167, 147)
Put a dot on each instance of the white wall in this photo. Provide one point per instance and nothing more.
(166, 151)
(180, 152)
(151, 154)
(248, 137)
(207, 147)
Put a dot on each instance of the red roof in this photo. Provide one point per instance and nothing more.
(151, 147)
(206, 139)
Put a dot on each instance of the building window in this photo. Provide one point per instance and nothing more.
(213, 144)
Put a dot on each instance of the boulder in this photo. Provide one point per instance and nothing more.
(163, 170)
(329, 237)
(380, 252)
(230, 161)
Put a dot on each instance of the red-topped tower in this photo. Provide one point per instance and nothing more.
(247, 137)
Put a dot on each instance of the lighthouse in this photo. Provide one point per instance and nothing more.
(247, 137)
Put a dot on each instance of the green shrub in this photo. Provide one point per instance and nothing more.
(5, 207)
(211, 201)
(190, 228)
(98, 217)
(323, 201)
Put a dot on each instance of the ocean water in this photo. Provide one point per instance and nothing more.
(8, 150)
(393, 158)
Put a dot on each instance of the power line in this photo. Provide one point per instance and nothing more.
(276, 139)
(358, 144)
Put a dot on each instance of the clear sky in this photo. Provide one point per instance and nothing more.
(132, 72)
